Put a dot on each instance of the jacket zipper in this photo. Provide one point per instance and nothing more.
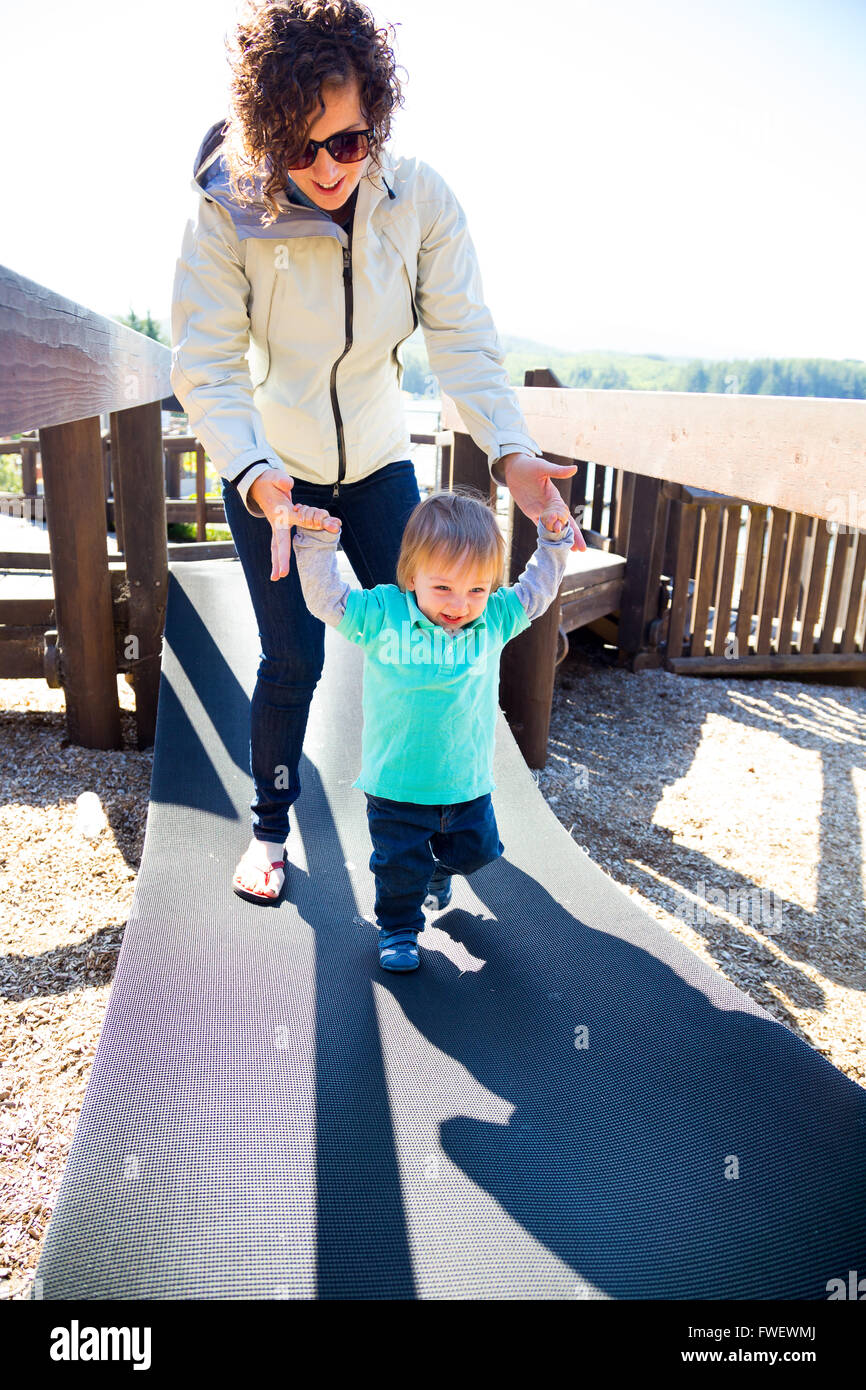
(341, 441)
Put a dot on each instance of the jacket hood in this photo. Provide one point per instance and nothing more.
(295, 208)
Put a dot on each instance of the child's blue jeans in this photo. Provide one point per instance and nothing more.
(408, 838)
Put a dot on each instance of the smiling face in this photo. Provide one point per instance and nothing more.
(449, 594)
(339, 110)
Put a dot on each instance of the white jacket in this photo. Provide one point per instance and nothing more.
(286, 339)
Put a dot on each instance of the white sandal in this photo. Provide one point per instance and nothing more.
(269, 899)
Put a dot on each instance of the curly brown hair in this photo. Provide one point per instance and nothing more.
(281, 53)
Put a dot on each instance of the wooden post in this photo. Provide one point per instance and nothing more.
(172, 480)
(528, 663)
(470, 467)
(138, 478)
(75, 502)
(200, 502)
(29, 450)
(644, 555)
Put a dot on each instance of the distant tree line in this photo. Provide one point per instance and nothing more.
(612, 371)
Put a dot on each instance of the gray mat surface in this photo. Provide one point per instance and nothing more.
(270, 1115)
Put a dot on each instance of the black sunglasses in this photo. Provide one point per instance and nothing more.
(346, 147)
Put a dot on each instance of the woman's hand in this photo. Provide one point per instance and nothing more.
(528, 480)
(273, 493)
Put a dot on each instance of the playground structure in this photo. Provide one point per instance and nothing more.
(754, 580)
(564, 1102)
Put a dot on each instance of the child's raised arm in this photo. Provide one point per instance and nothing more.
(539, 583)
(315, 538)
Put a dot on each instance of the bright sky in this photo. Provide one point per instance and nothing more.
(685, 178)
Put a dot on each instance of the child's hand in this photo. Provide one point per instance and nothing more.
(313, 518)
(555, 518)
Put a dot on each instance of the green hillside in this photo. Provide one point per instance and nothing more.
(776, 376)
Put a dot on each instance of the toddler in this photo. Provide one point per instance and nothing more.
(431, 684)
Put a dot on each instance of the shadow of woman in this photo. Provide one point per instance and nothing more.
(669, 1139)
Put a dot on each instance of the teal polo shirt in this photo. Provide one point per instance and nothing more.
(431, 698)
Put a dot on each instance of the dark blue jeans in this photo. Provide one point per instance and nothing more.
(408, 839)
(374, 512)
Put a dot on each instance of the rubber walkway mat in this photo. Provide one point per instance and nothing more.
(563, 1102)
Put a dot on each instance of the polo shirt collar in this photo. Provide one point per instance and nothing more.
(419, 619)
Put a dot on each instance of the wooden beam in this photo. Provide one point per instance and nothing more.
(814, 664)
(60, 362)
(75, 505)
(802, 454)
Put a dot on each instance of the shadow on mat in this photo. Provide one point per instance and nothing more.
(616, 1155)
(178, 743)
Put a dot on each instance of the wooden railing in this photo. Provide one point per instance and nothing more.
(61, 366)
(658, 461)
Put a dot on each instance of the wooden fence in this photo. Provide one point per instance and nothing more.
(765, 578)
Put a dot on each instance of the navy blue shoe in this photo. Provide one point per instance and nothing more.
(398, 950)
(438, 890)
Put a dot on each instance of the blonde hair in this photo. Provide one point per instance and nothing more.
(455, 527)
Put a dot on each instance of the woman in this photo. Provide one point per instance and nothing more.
(316, 252)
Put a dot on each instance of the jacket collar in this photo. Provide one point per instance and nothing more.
(298, 215)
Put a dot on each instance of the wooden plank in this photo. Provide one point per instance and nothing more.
(61, 363)
(804, 454)
(615, 494)
(578, 494)
(817, 580)
(684, 524)
(113, 488)
(855, 594)
(747, 605)
(843, 546)
(681, 493)
(583, 568)
(25, 560)
(771, 578)
(27, 612)
(201, 550)
(791, 585)
(588, 605)
(21, 654)
(72, 469)
(139, 479)
(767, 665)
(598, 485)
(725, 587)
(704, 575)
(623, 510)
